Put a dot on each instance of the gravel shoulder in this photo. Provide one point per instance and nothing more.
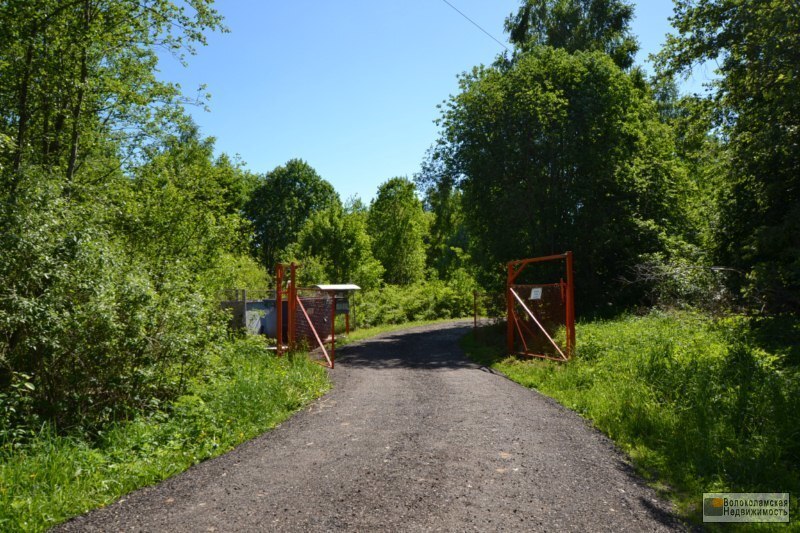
(412, 437)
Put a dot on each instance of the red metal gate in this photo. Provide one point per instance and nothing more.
(310, 315)
(541, 316)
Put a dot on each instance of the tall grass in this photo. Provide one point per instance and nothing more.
(244, 392)
(700, 405)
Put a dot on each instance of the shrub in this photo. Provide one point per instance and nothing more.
(243, 391)
(428, 300)
(101, 327)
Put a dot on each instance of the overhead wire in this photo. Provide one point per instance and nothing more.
(476, 24)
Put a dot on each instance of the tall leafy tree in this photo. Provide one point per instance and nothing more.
(107, 293)
(756, 98)
(80, 77)
(447, 241)
(560, 151)
(336, 237)
(398, 226)
(109, 226)
(602, 25)
(182, 210)
(280, 205)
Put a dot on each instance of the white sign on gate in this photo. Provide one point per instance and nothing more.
(536, 293)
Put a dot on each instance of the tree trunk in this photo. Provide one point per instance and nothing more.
(77, 110)
(22, 104)
(76, 119)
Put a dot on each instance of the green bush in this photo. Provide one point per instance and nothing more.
(243, 391)
(428, 300)
(17, 416)
(103, 320)
(683, 281)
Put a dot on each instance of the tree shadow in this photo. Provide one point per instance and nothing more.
(779, 334)
(433, 349)
(658, 512)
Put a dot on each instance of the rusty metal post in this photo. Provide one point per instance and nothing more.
(570, 308)
(509, 310)
(333, 330)
(353, 310)
(279, 306)
(292, 306)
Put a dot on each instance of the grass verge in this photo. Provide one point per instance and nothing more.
(700, 405)
(245, 392)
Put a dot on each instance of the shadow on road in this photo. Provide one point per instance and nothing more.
(659, 514)
(422, 350)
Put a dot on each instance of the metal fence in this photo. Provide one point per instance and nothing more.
(252, 310)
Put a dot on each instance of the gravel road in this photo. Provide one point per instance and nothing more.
(413, 437)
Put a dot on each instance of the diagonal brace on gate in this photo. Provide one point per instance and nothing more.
(316, 335)
(536, 320)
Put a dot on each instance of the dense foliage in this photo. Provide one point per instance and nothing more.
(427, 300)
(755, 99)
(557, 152)
(280, 205)
(334, 247)
(574, 25)
(398, 226)
(116, 220)
(79, 80)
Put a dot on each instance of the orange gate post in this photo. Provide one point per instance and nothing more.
(510, 309)
(570, 308)
(279, 305)
(292, 306)
(333, 330)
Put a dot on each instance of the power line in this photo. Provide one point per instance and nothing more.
(475, 24)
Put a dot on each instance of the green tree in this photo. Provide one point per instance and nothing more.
(561, 151)
(756, 100)
(281, 204)
(588, 25)
(79, 78)
(398, 227)
(181, 213)
(447, 241)
(337, 239)
(702, 152)
(113, 213)
(103, 321)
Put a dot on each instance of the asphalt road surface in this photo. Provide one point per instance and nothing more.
(413, 437)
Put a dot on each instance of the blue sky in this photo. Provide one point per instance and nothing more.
(350, 86)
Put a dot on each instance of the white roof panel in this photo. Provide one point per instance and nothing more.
(339, 287)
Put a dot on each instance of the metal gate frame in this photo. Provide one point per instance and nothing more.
(515, 325)
(294, 303)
